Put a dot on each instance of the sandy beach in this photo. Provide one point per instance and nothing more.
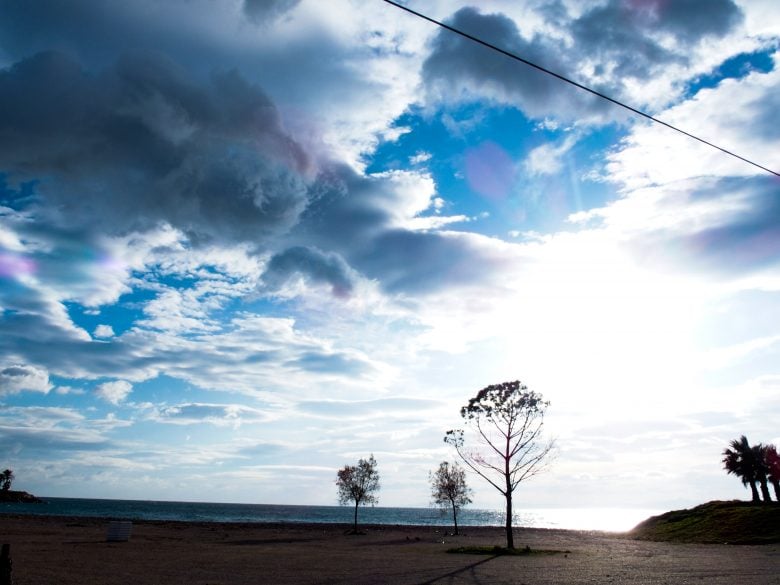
(74, 550)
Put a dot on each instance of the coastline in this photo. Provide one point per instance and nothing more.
(60, 549)
(608, 519)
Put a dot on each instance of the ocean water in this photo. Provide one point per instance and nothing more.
(609, 519)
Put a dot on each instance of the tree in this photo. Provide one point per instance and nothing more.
(762, 470)
(448, 488)
(772, 459)
(741, 460)
(6, 479)
(506, 421)
(359, 484)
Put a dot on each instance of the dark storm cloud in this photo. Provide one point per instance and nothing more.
(691, 20)
(312, 264)
(264, 10)
(27, 26)
(624, 35)
(99, 30)
(456, 63)
(620, 39)
(356, 217)
(612, 37)
(426, 262)
(141, 143)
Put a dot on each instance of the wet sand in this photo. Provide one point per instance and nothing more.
(74, 550)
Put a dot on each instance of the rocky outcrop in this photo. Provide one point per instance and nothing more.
(18, 497)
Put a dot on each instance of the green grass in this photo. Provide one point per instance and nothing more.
(500, 550)
(734, 522)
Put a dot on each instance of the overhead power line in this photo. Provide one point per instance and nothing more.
(636, 111)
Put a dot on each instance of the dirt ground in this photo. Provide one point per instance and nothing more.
(74, 550)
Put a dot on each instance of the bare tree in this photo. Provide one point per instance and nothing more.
(504, 445)
(449, 489)
(359, 484)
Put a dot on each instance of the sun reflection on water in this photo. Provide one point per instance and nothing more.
(606, 519)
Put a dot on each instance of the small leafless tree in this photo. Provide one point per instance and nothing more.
(504, 445)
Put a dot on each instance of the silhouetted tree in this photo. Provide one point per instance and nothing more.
(6, 479)
(449, 489)
(359, 484)
(772, 459)
(762, 470)
(505, 421)
(743, 461)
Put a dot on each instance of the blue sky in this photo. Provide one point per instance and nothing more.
(245, 244)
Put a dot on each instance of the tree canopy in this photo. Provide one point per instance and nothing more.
(504, 444)
(358, 484)
(6, 479)
(755, 465)
(448, 488)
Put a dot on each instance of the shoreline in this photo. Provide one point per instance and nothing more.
(600, 519)
(74, 549)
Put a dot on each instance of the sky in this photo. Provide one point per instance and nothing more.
(245, 243)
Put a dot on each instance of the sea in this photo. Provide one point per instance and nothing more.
(603, 519)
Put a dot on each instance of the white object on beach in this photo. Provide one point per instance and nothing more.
(119, 531)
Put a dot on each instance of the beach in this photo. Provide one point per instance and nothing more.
(69, 550)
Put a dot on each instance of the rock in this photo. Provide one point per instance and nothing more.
(18, 497)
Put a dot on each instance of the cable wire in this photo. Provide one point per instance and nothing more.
(574, 83)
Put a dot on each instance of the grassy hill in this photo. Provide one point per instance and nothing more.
(734, 522)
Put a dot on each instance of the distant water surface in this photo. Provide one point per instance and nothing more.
(610, 519)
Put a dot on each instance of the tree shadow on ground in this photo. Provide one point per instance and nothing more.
(457, 572)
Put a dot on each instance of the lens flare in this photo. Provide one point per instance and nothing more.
(490, 171)
(14, 265)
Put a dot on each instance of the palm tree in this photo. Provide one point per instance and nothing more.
(6, 479)
(772, 459)
(762, 470)
(740, 459)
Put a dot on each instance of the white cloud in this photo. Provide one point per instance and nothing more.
(737, 115)
(547, 159)
(104, 331)
(17, 378)
(420, 158)
(114, 392)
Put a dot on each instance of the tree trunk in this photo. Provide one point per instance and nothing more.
(356, 507)
(510, 540)
(455, 517)
(765, 490)
(776, 485)
(754, 491)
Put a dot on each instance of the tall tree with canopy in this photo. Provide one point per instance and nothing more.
(359, 484)
(743, 461)
(448, 488)
(504, 444)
